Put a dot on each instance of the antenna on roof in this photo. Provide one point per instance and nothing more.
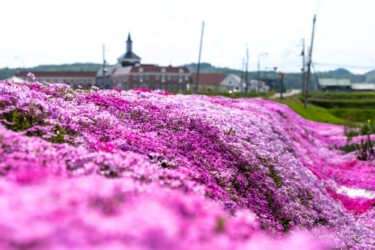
(199, 59)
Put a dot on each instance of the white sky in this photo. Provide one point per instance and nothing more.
(164, 32)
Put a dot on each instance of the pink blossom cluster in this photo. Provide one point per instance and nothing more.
(30, 76)
(111, 169)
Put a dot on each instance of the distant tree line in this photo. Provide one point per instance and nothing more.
(292, 80)
(8, 72)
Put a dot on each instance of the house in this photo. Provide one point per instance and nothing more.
(258, 86)
(218, 82)
(74, 78)
(208, 81)
(103, 76)
(232, 83)
(227, 83)
(343, 84)
(363, 86)
(151, 76)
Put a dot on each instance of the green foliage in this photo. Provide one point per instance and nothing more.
(332, 96)
(368, 128)
(18, 120)
(306, 198)
(340, 103)
(275, 176)
(59, 135)
(276, 211)
(364, 149)
(353, 114)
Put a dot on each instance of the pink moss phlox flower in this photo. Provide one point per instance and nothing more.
(30, 76)
(104, 147)
(143, 90)
(117, 89)
(99, 170)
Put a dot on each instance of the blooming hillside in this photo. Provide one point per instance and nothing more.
(109, 169)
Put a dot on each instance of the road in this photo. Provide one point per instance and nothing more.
(287, 94)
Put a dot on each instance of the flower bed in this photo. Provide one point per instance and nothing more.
(109, 169)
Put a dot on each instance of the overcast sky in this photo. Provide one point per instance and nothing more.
(168, 32)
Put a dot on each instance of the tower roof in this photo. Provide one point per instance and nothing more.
(129, 58)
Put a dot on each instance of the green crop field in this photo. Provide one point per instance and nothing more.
(312, 112)
(336, 107)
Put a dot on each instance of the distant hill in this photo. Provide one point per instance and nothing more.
(8, 72)
(68, 67)
(370, 76)
(209, 68)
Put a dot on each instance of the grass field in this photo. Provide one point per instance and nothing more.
(336, 107)
(312, 112)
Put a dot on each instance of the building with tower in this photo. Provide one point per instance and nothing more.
(129, 58)
(130, 73)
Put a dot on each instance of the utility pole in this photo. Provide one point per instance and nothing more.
(247, 70)
(199, 59)
(103, 68)
(282, 75)
(304, 84)
(276, 83)
(310, 60)
(258, 73)
(242, 74)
